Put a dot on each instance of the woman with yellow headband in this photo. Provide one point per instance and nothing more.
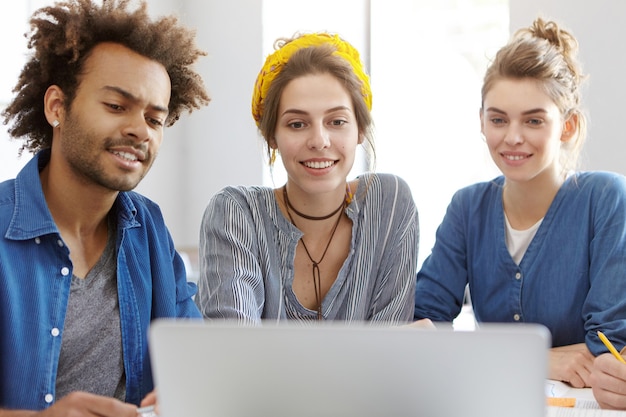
(320, 247)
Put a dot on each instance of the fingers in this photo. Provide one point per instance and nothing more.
(422, 324)
(608, 382)
(151, 400)
(90, 405)
(572, 364)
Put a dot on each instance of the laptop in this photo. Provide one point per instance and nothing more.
(221, 369)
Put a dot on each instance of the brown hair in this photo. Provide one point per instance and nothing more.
(316, 60)
(548, 54)
(62, 37)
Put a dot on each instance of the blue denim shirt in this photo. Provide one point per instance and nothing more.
(572, 278)
(35, 276)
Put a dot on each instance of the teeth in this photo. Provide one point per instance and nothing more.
(514, 157)
(319, 165)
(126, 155)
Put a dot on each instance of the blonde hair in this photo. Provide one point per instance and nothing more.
(546, 53)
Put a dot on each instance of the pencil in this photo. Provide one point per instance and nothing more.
(610, 347)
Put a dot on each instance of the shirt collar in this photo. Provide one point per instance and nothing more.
(31, 216)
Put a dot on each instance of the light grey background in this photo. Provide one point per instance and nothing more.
(219, 145)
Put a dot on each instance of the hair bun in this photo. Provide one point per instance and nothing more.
(560, 38)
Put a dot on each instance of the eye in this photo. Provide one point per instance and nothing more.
(497, 121)
(115, 107)
(338, 122)
(535, 122)
(296, 125)
(154, 122)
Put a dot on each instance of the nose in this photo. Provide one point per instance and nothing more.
(136, 127)
(319, 138)
(514, 135)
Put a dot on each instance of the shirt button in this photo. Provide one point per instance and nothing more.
(54, 332)
(65, 271)
(516, 317)
(518, 275)
(60, 243)
(48, 398)
(37, 240)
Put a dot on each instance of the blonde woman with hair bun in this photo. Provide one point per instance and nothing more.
(543, 242)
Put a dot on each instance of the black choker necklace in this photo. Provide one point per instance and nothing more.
(317, 278)
(306, 216)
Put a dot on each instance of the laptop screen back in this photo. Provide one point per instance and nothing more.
(224, 370)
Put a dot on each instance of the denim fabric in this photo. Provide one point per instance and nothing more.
(571, 279)
(35, 276)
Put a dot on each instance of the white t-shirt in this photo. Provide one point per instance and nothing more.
(517, 241)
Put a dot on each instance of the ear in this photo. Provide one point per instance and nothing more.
(54, 105)
(361, 138)
(570, 127)
(272, 143)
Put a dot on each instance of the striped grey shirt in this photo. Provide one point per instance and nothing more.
(247, 252)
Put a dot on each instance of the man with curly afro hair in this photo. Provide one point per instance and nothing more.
(86, 263)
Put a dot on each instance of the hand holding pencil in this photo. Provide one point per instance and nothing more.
(608, 377)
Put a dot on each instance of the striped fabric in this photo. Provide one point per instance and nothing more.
(247, 252)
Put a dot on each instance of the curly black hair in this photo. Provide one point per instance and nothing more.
(62, 36)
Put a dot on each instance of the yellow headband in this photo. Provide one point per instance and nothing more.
(275, 62)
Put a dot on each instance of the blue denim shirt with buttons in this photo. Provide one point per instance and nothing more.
(571, 278)
(35, 276)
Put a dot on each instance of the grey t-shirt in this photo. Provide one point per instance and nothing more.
(91, 356)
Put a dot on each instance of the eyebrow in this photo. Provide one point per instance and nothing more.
(531, 111)
(298, 111)
(127, 95)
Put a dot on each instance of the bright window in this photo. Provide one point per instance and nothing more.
(13, 24)
(426, 60)
(427, 63)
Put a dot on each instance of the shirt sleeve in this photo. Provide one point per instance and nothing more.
(441, 281)
(185, 290)
(605, 306)
(230, 284)
(396, 289)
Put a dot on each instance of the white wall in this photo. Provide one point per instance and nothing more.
(427, 99)
(599, 27)
(13, 43)
(218, 145)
